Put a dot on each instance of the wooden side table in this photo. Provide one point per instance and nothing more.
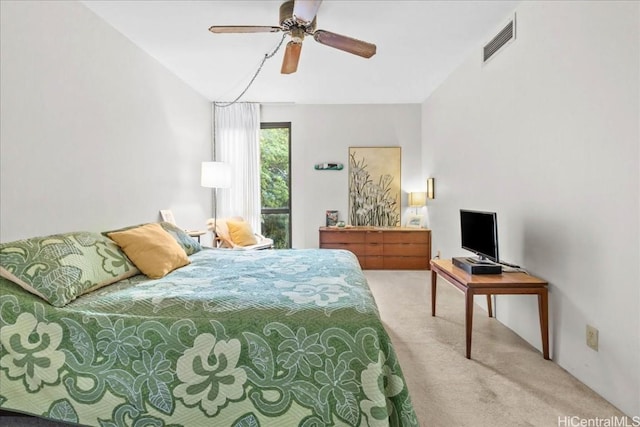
(196, 234)
(491, 284)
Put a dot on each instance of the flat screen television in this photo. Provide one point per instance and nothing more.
(479, 231)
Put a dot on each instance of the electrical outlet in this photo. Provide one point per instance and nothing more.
(438, 254)
(592, 337)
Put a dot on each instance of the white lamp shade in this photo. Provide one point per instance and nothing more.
(417, 199)
(215, 175)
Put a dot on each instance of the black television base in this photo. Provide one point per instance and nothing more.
(472, 267)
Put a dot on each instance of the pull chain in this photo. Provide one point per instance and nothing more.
(266, 56)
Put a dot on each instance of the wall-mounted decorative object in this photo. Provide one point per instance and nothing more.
(431, 188)
(374, 186)
(328, 167)
(332, 218)
(414, 221)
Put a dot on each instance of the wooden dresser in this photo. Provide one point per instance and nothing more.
(382, 248)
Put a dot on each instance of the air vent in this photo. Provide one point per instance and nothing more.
(507, 34)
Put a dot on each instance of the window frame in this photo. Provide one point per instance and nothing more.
(287, 210)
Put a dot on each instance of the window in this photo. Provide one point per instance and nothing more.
(275, 182)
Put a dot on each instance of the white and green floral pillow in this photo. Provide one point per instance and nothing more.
(61, 267)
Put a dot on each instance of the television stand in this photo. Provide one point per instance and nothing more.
(492, 284)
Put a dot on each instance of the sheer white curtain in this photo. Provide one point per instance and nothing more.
(237, 142)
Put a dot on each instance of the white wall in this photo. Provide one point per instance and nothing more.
(324, 133)
(547, 135)
(95, 133)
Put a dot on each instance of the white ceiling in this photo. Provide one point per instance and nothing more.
(419, 44)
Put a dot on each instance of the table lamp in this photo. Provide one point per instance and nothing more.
(417, 200)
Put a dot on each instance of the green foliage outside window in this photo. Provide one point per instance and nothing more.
(274, 163)
(274, 184)
(276, 226)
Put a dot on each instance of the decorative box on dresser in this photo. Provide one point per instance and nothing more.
(382, 248)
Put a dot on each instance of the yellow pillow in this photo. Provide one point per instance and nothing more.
(151, 249)
(241, 233)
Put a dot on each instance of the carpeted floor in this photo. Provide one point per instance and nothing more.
(506, 383)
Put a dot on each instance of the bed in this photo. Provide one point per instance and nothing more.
(233, 338)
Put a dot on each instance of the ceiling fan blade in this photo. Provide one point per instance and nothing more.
(347, 44)
(243, 29)
(305, 10)
(291, 58)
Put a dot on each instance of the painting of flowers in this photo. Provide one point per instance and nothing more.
(374, 186)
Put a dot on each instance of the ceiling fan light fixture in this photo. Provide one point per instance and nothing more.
(304, 11)
(289, 21)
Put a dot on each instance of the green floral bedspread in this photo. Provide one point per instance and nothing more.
(261, 338)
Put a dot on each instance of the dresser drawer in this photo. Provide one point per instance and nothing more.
(357, 248)
(406, 237)
(341, 237)
(374, 249)
(373, 263)
(374, 237)
(407, 249)
(406, 263)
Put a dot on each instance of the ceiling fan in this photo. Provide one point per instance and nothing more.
(298, 19)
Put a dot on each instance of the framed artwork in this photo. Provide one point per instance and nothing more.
(167, 216)
(414, 221)
(374, 186)
(332, 218)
